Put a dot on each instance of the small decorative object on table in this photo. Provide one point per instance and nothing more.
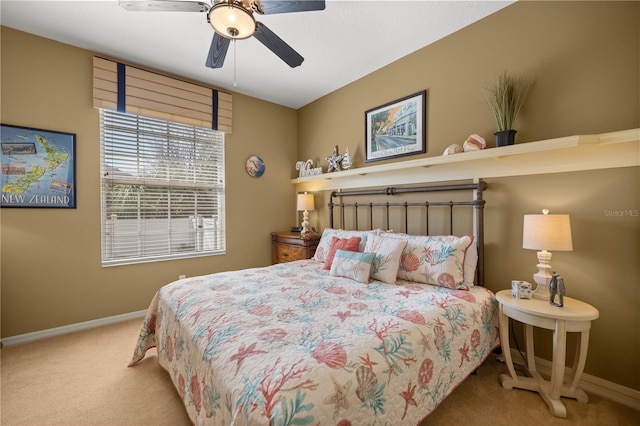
(521, 289)
(334, 160)
(556, 286)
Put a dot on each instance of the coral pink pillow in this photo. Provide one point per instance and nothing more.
(348, 244)
(325, 241)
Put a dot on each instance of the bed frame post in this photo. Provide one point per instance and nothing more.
(479, 231)
(331, 206)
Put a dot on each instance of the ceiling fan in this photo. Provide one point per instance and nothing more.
(233, 20)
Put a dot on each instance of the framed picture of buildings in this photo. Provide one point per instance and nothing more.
(38, 167)
(396, 129)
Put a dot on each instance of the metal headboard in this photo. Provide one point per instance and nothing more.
(477, 202)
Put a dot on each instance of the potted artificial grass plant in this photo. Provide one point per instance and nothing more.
(505, 97)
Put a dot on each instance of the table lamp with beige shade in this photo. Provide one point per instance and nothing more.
(305, 203)
(546, 232)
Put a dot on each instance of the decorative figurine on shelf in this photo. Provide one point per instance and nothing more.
(303, 167)
(474, 143)
(334, 160)
(306, 168)
(346, 160)
(556, 286)
(454, 148)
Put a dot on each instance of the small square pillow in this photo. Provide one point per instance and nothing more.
(387, 260)
(351, 264)
(348, 244)
(325, 241)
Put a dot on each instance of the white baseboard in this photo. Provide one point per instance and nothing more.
(588, 383)
(57, 331)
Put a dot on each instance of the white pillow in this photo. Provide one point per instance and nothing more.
(387, 257)
(437, 260)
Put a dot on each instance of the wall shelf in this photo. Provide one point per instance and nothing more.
(571, 153)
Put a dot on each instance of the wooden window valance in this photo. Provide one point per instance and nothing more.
(124, 88)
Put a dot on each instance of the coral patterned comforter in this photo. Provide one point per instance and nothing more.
(290, 345)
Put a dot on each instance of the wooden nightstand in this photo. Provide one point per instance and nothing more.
(575, 316)
(290, 246)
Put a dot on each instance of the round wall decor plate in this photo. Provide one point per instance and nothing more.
(255, 166)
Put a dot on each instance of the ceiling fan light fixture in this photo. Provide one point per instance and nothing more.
(231, 20)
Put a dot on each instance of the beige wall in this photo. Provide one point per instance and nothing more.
(585, 57)
(51, 273)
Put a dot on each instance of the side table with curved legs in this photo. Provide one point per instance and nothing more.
(575, 316)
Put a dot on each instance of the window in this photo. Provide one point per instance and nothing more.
(162, 189)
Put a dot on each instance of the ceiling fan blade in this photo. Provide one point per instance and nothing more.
(277, 45)
(164, 6)
(269, 7)
(217, 51)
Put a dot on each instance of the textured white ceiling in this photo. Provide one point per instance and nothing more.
(344, 42)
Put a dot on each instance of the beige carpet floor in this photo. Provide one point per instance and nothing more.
(83, 379)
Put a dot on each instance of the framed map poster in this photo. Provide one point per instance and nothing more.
(38, 167)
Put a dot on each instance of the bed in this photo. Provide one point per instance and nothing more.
(378, 328)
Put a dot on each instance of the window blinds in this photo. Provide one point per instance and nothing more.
(162, 189)
(124, 88)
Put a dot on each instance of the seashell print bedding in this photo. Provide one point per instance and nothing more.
(289, 344)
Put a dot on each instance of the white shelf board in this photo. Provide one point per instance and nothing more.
(572, 153)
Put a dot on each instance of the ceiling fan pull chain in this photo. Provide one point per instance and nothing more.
(234, 63)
